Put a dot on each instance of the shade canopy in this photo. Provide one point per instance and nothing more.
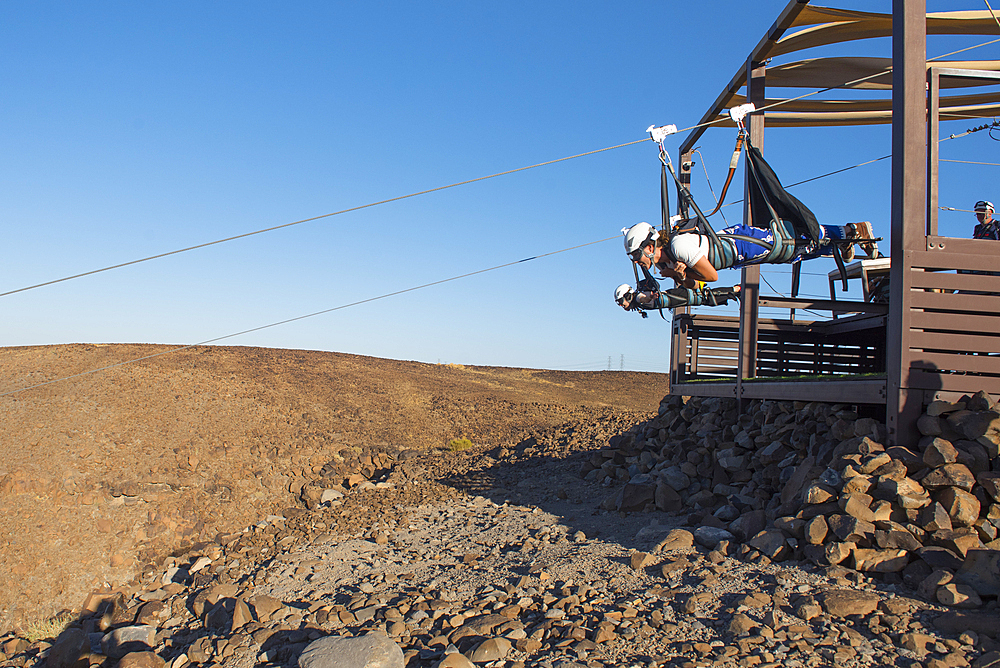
(821, 26)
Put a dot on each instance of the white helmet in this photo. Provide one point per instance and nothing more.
(637, 235)
(622, 291)
(983, 205)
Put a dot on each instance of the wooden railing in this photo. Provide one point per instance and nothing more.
(952, 341)
(706, 346)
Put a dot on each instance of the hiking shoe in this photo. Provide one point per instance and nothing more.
(847, 250)
(860, 231)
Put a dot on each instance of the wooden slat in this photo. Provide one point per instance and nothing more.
(948, 395)
(954, 302)
(955, 322)
(815, 369)
(972, 254)
(715, 344)
(948, 281)
(844, 325)
(955, 342)
(976, 363)
(815, 351)
(717, 370)
(812, 356)
(836, 391)
(706, 363)
(824, 305)
(726, 389)
(953, 382)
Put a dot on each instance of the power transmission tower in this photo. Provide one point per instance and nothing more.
(609, 362)
(622, 363)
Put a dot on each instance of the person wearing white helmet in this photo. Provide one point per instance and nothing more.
(689, 257)
(632, 299)
(987, 228)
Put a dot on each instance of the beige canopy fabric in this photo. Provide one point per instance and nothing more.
(810, 104)
(783, 119)
(819, 26)
(840, 25)
(841, 71)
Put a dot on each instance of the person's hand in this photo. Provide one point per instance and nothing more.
(681, 270)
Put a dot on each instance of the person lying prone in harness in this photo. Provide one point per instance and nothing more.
(691, 256)
(640, 300)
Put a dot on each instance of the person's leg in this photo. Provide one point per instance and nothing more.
(744, 238)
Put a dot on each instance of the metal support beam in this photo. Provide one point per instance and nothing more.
(750, 290)
(909, 208)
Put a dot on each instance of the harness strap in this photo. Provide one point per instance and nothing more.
(702, 224)
(785, 244)
(733, 163)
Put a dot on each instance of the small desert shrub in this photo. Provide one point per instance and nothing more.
(49, 628)
(459, 444)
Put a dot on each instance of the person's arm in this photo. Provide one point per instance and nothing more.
(676, 272)
(691, 253)
(702, 270)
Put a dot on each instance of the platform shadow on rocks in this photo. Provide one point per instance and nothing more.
(551, 482)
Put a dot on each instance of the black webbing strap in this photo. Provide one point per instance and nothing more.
(840, 264)
(649, 280)
(774, 217)
(702, 222)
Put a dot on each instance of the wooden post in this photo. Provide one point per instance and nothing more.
(933, 131)
(909, 208)
(750, 290)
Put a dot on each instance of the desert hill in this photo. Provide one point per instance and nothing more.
(104, 472)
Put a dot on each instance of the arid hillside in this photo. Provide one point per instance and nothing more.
(103, 472)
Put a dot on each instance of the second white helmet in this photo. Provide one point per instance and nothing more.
(621, 291)
(637, 235)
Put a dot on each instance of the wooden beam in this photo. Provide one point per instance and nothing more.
(750, 284)
(909, 208)
(933, 123)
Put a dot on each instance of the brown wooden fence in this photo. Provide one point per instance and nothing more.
(706, 347)
(952, 343)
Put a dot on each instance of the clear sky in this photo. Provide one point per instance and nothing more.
(131, 129)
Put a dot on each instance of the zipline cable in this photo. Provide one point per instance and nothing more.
(884, 157)
(971, 162)
(308, 220)
(309, 315)
(461, 183)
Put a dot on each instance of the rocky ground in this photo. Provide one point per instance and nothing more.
(690, 535)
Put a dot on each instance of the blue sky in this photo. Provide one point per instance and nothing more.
(132, 129)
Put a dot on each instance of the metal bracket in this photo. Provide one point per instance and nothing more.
(740, 112)
(658, 134)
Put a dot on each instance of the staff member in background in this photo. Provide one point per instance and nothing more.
(987, 228)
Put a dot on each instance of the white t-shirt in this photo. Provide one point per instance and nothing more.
(687, 248)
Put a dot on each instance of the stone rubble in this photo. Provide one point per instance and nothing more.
(788, 535)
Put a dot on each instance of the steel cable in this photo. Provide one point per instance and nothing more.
(308, 315)
(307, 220)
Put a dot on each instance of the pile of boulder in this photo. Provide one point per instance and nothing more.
(812, 481)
